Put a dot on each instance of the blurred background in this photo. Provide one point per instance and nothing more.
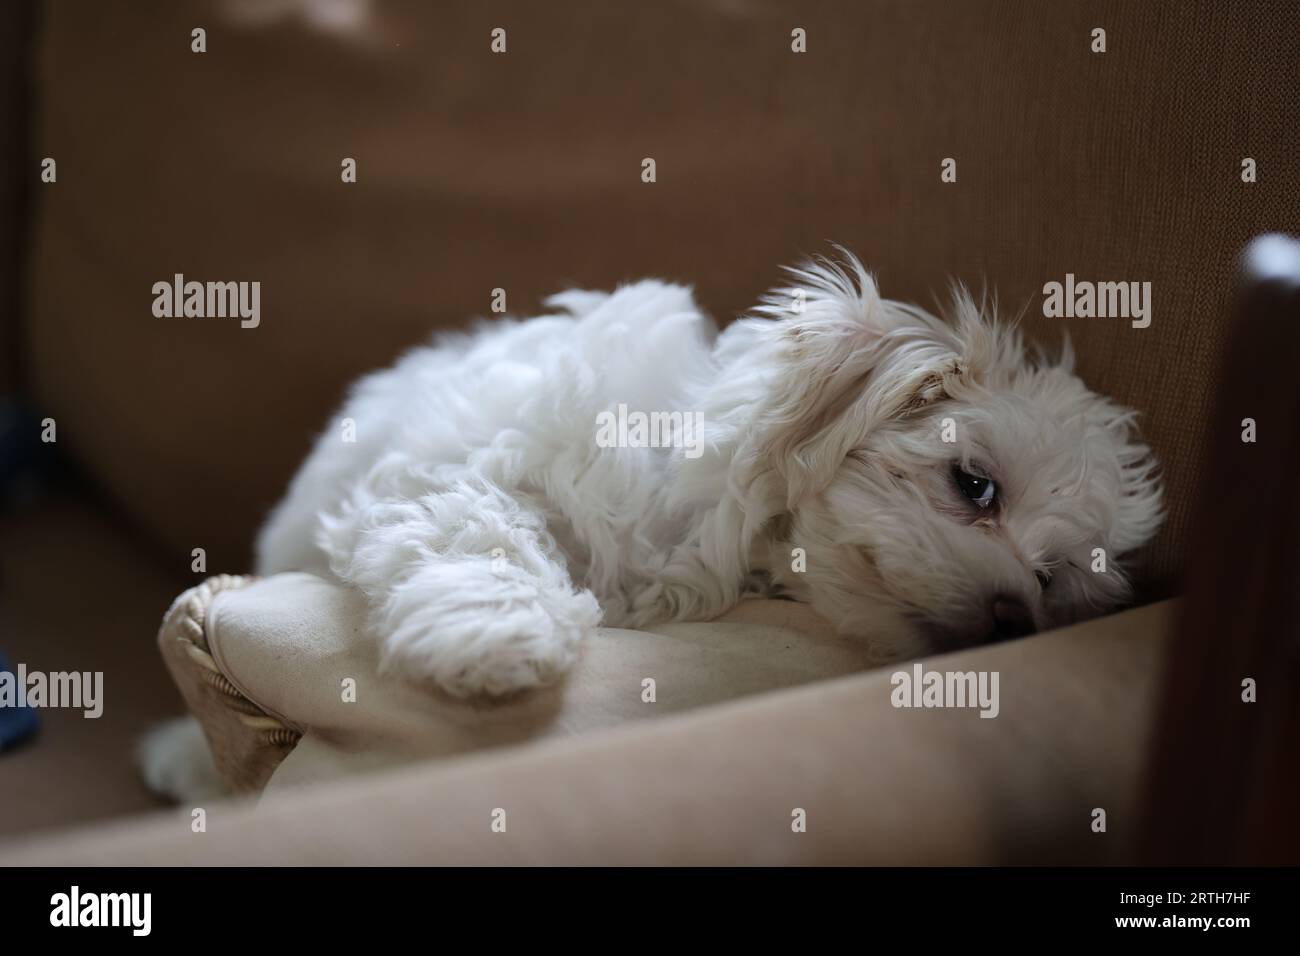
(521, 170)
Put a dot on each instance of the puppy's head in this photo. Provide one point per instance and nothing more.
(945, 487)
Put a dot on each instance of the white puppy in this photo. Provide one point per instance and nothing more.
(922, 483)
(490, 531)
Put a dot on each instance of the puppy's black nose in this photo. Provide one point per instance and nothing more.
(1011, 618)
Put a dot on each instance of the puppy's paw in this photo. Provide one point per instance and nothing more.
(479, 629)
(175, 761)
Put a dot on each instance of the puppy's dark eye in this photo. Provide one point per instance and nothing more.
(977, 488)
(1044, 579)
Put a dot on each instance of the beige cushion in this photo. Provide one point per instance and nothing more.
(265, 662)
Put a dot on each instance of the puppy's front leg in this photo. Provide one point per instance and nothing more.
(466, 588)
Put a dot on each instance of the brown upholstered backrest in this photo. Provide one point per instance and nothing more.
(522, 171)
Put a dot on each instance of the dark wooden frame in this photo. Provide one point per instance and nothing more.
(1223, 781)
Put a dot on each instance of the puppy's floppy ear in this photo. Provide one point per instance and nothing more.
(839, 360)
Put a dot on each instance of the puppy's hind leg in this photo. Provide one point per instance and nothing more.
(466, 588)
(176, 763)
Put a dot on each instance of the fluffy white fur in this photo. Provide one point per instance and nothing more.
(490, 533)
